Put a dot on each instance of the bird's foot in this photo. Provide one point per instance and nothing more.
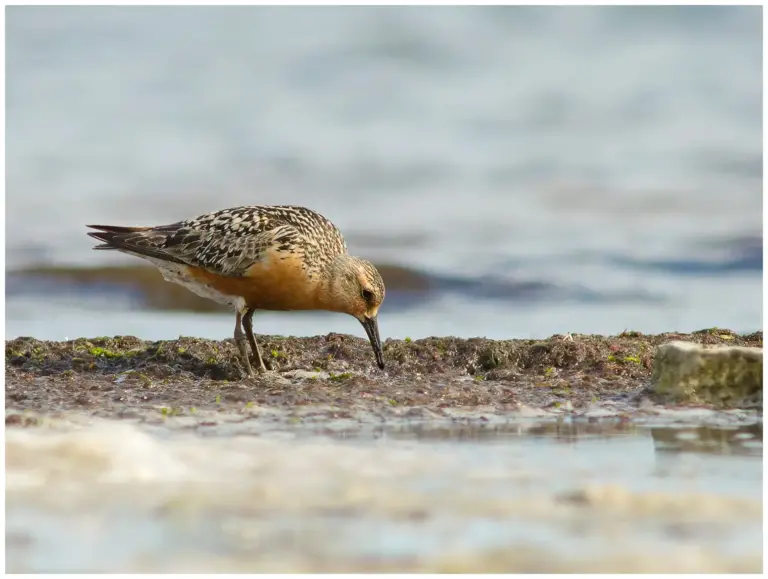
(254, 371)
(242, 348)
(246, 371)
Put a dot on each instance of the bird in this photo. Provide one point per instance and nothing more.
(259, 257)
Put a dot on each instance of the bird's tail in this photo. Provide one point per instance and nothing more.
(108, 234)
(138, 241)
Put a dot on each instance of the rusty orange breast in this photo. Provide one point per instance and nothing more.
(276, 282)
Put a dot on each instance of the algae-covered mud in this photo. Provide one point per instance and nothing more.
(464, 455)
(115, 376)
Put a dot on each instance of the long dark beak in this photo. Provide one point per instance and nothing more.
(371, 326)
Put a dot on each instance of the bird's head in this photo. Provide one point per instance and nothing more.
(355, 287)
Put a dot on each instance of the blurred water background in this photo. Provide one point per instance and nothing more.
(516, 172)
(539, 170)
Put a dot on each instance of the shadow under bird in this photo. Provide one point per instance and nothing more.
(259, 257)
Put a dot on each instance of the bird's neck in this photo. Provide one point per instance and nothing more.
(332, 287)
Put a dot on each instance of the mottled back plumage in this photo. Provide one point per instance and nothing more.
(229, 241)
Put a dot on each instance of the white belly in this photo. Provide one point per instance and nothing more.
(178, 274)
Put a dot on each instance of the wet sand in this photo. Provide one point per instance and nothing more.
(433, 377)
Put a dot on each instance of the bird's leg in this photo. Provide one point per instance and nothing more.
(248, 325)
(240, 343)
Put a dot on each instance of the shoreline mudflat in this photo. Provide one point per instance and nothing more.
(455, 438)
(123, 376)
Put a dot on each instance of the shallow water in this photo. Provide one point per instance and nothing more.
(612, 156)
(501, 495)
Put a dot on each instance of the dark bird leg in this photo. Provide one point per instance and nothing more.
(248, 325)
(240, 343)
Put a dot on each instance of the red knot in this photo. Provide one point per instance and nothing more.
(259, 257)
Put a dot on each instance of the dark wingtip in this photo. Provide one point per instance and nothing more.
(99, 236)
(117, 228)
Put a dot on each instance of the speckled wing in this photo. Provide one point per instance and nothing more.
(226, 250)
(230, 241)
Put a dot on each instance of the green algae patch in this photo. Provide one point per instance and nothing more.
(720, 376)
(103, 352)
(339, 377)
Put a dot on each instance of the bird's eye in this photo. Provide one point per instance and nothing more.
(367, 295)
